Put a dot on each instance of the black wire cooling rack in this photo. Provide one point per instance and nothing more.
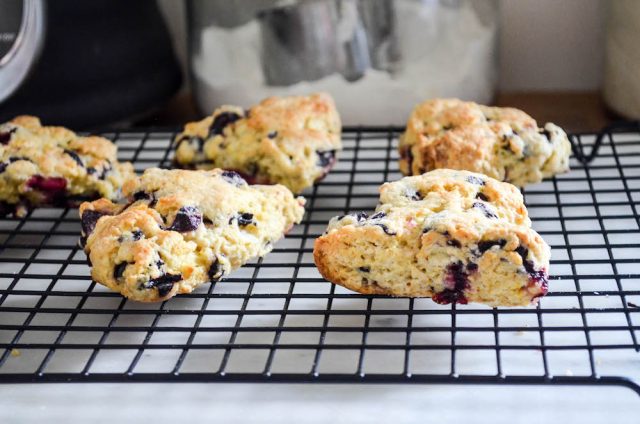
(277, 320)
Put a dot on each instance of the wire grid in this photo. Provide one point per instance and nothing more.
(277, 320)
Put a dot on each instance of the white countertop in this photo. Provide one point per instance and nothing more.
(283, 403)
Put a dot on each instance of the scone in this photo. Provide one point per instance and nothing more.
(503, 143)
(454, 236)
(42, 165)
(181, 229)
(291, 141)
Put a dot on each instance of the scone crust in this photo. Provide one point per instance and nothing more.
(181, 229)
(291, 141)
(44, 165)
(452, 235)
(503, 143)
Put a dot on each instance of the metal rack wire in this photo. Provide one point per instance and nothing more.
(277, 320)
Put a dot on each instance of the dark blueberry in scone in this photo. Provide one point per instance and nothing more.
(482, 196)
(546, 134)
(221, 121)
(380, 215)
(475, 180)
(414, 195)
(5, 136)
(243, 218)
(164, 283)
(272, 134)
(74, 156)
(454, 243)
(118, 271)
(194, 140)
(360, 216)
(141, 195)
(88, 222)
(459, 279)
(326, 158)
(483, 246)
(232, 177)
(188, 218)
(216, 271)
(485, 210)
(364, 269)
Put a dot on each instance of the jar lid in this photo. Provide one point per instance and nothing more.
(22, 29)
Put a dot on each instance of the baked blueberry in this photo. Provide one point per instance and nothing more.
(326, 158)
(272, 134)
(164, 283)
(5, 136)
(483, 246)
(482, 196)
(414, 194)
(215, 272)
(74, 156)
(475, 180)
(232, 177)
(118, 270)
(243, 218)
(88, 221)
(459, 279)
(485, 210)
(188, 218)
(221, 121)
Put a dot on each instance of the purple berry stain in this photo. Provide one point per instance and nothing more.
(538, 278)
(457, 281)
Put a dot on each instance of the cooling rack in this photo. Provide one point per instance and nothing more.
(277, 320)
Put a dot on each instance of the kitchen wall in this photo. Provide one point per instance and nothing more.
(545, 45)
(551, 44)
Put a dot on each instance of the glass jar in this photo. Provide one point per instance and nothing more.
(378, 58)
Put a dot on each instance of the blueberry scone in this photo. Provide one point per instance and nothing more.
(503, 143)
(454, 236)
(291, 141)
(42, 165)
(181, 229)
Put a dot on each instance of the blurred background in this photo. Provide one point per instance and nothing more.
(160, 63)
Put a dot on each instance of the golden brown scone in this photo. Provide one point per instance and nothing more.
(181, 229)
(42, 165)
(455, 236)
(291, 141)
(503, 143)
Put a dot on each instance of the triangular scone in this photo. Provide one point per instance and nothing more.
(501, 142)
(44, 165)
(182, 229)
(455, 236)
(290, 140)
